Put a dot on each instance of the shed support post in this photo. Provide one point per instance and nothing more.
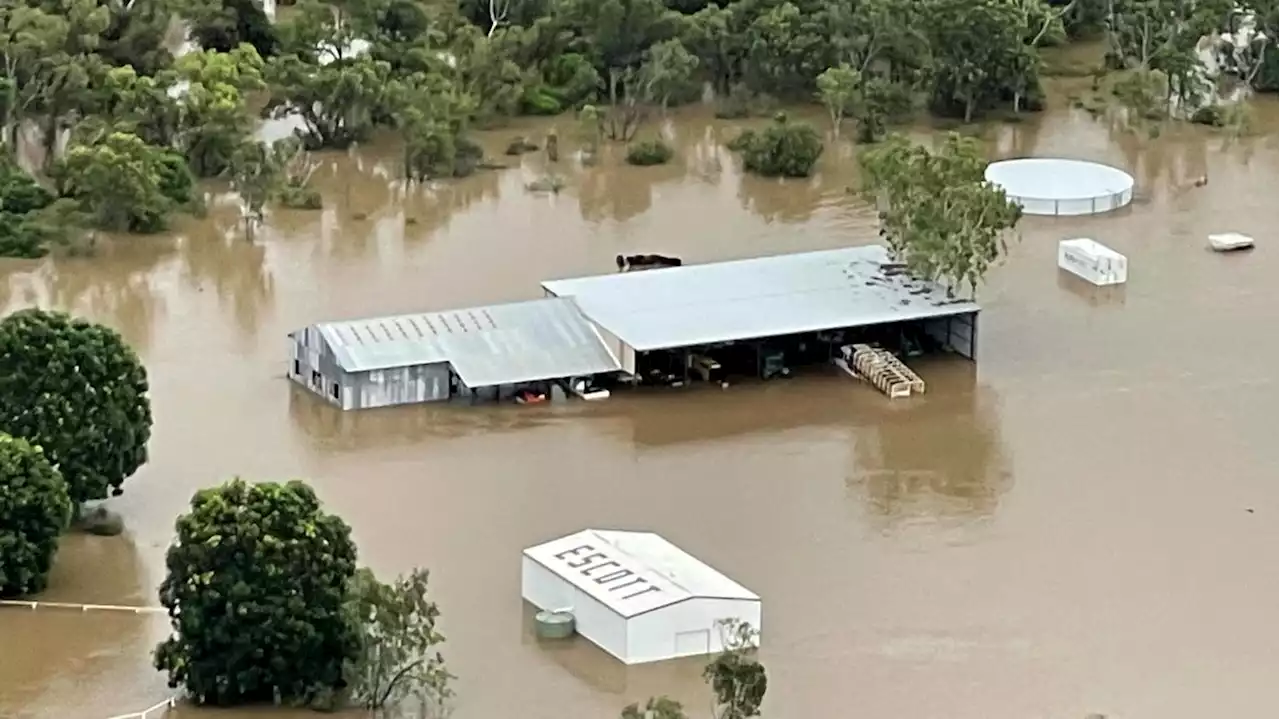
(973, 337)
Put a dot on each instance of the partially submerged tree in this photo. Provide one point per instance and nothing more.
(255, 176)
(120, 181)
(257, 578)
(397, 660)
(32, 220)
(838, 89)
(784, 149)
(432, 115)
(736, 676)
(338, 102)
(78, 391)
(213, 100)
(34, 509)
(655, 708)
(668, 72)
(981, 56)
(939, 216)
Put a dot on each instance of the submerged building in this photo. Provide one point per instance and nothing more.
(751, 315)
(426, 357)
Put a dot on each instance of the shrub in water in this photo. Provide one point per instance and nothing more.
(784, 149)
(649, 152)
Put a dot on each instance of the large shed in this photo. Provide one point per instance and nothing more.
(433, 356)
(805, 292)
(634, 594)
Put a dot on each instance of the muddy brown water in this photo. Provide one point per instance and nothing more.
(1063, 529)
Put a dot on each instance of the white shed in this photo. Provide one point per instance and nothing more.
(636, 595)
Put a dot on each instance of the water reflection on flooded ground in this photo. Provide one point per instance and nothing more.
(1062, 529)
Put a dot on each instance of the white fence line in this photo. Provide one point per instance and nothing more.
(159, 710)
(81, 607)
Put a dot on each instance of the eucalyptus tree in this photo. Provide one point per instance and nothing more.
(939, 216)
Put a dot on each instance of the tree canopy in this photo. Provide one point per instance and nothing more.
(34, 509)
(397, 658)
(256, 584)
(78, 391)
(939, 215)
(433, 72)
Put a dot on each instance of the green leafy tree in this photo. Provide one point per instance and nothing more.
(736, 676)
(297, 166)
(883, 38)
(75, 389)
(338, 102)
(617, 33)
(123, 183)
(980, 55)
(398, 658)
(257, 577)
(23, 205)
(69, 66)
(717, 36)
(838, 90)
(484, 73)
(144, 105)
(34, 509)
(790, 47)
(28, 37)
(48, 62)
(261, 172)
(655, 708)
(215, 118)
(668, 72)
(432, 114)
(223, 25)
(940, 217)
(256, 175)
(784, 149)
(136, 35)
(1161, 36)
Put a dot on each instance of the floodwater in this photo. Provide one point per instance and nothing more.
(1083, 522)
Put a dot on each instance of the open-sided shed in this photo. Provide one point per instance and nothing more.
(805, 292)
(634, 594)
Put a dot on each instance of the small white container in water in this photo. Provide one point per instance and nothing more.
(1093, 262)
(1230, 242)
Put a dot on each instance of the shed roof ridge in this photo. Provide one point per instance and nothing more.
(668, 576)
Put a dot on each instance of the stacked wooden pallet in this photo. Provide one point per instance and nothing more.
(886, 372)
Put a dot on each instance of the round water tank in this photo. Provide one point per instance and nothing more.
(1058, 187)
(553, 625)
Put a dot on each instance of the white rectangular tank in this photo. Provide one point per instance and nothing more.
(1093, 262)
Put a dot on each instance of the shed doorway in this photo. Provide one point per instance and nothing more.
(692, 643)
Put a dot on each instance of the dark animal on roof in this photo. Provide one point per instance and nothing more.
(626, 263)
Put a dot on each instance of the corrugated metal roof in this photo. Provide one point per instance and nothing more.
(498, 344)
(633, 572)
(763, 297)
